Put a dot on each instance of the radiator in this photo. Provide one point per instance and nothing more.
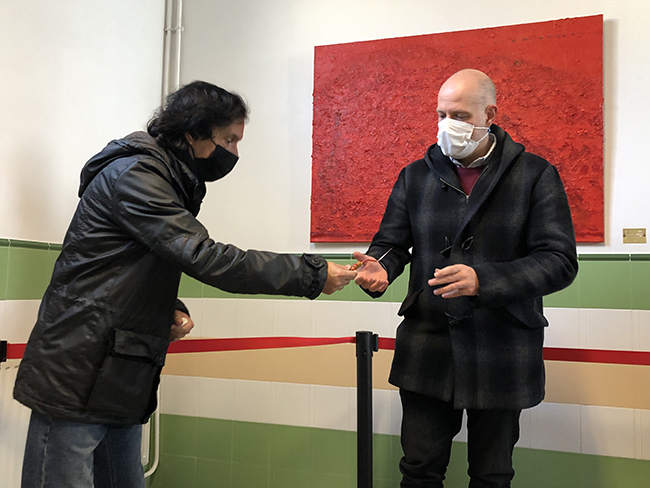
(14, 419)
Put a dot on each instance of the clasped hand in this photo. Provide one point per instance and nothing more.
(182, 326)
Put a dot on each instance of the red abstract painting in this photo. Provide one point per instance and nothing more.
(375, 112)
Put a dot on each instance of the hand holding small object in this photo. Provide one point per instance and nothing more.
(372, 276)
(358, 264)
(338, 276)
(182, 326)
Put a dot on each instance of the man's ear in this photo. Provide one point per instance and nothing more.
(491, 113)
(188, 137)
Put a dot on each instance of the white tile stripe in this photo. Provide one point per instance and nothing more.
(569, 327)
(19, 317)
(14, 419)
(603, 431)
(590, 328)
(224, 317)
(627, 330)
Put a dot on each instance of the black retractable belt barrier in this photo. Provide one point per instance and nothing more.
(367, 342)
(3, 351)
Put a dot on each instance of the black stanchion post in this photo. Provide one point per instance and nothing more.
(367, 342)
(3, 351)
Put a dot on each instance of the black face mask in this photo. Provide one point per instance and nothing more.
(218, 164)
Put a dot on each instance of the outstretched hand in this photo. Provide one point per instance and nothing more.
(460, 281)
(371, 275)
(338, 276)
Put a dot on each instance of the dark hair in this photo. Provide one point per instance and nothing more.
(196, 108)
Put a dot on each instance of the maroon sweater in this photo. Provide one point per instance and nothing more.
(468, 177)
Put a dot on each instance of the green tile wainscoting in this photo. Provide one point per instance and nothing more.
(25, 268)
(201, 453)
(611, 281)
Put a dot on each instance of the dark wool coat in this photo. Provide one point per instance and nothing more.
(515, 230)
(99, 344)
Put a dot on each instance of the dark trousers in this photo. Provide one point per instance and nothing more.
(428, 427)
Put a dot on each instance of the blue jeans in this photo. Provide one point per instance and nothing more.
(62, 454)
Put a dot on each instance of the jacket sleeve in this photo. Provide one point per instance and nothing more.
(551, 263)
(148, 208)
(394, 238)
(182, 307)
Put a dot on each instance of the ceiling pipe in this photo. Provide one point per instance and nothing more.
(171, 71)
(172, 47)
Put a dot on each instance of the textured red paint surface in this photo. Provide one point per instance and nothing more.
(375, 112)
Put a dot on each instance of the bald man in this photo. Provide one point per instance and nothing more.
(487, 229)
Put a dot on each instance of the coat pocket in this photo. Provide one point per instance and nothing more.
(526, 313)
(408, 303)
(126, 385)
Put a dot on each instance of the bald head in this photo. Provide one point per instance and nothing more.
(469, 96)
(472, 83)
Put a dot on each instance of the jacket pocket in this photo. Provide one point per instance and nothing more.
(525, 312)
(126, 385)
(407, 304)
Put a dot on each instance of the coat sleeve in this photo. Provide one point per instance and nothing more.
(551, 263)
(394, 239)
(148, 208)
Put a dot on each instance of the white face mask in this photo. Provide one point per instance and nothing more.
(455, 138)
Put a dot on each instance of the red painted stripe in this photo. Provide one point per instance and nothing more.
(387, 343)
(15, 351)
(247, 343)
(638, 358)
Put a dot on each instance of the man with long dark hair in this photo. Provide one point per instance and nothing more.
(92, 364)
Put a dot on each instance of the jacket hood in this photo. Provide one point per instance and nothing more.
(506, 147)
(133, 144)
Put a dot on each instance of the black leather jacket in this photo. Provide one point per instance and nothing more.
(99, 344)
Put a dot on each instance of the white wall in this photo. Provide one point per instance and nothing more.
(78, 73)
(264, 50)
(74, 74)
